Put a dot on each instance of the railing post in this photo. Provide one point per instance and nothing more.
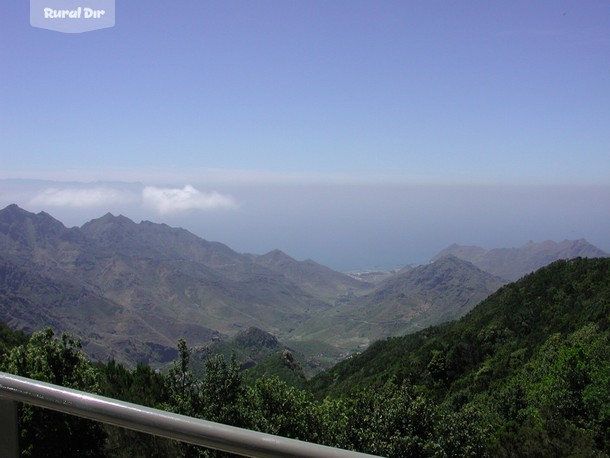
(9, 430)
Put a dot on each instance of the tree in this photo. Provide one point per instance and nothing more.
(218, 397)
(61, 362)
(182, 386)
(391, 420)
(221, 392)
(560, 400)
(141, 386)
(276, 408)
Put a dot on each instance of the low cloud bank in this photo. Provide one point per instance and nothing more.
(176, 200)
(163, 200)
(82, 197)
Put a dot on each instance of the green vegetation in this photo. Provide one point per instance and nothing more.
(530, 365)
(61, 362)
(282, 365)
(10, 338)
(526, 373)
(315, 356)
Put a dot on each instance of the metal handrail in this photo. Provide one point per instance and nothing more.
(158, 422)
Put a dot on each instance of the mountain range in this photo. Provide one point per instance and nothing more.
(131, 290)
(409, 300)
(513, 263)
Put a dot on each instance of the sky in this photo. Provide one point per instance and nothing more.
(360, 134)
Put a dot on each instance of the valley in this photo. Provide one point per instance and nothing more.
(131, 290)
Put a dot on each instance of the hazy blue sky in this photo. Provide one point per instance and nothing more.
(356, 133)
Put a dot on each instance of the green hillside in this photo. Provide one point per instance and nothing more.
(282, 365)
(530, 364)
(512, 323)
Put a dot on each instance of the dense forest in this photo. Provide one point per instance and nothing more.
(526, 373)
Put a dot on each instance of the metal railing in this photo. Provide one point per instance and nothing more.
(217, 436)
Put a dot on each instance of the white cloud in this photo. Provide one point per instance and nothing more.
(174, 200)
(81, 197)
(163, 200)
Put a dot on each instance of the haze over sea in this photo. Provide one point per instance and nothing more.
(356, 133)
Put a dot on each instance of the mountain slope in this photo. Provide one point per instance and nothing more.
(408, 301)
(526, 373)
(513, 263)
(30, 301)
(311, 276)
(139, 287)
(497, 337)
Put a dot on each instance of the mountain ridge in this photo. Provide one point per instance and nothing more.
(131, 290)
(405, 302)
(513, 263)
(166, 282)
